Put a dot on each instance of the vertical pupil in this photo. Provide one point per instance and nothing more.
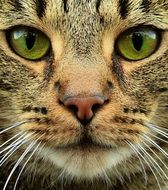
(137, 40)
(30, 40)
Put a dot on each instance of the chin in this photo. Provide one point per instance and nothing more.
(85, 163)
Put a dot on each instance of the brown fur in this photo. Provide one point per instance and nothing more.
(83, 63)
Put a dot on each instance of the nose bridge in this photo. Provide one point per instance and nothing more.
(82, 84)
(82, 77)
(85, 80)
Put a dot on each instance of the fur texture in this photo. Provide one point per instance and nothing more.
(130, 130)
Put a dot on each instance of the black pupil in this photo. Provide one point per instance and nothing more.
(137, 40)
(30, 39)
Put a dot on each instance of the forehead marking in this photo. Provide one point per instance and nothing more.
(146, 5)
(123, 8)
(40, 8)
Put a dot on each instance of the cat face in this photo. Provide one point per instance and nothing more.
(84, 80)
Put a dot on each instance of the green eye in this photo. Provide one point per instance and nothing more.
(29, 43)
(138, 43)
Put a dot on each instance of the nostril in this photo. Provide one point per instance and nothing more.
(73, 109)
(96, 107)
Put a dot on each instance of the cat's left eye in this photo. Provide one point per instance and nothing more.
(28, 42)
(138, 43)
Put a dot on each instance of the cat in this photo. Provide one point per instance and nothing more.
(84, 94)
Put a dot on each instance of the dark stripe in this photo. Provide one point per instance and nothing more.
(123, 8)
(145, 5)
(17, 5)
(6, 86)
(40, 8)
(118, 69)
(65, 6)
(49, 69)
(98, 5)
(163, 89)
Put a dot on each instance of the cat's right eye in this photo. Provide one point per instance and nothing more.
(28, 42)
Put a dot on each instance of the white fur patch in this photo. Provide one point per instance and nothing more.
(85, 164)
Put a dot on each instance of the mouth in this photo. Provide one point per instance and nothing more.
(83, 141)
(86, 144)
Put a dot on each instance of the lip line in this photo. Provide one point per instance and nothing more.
(86, 143)
(84, 147)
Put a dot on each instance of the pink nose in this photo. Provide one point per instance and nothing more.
(84, 111)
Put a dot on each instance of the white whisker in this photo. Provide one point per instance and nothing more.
(156, 145)
(153, 125)
(13, 126)
(159, 131)
(17, 141)
(12, 151)
(6, 142)
(31, 155)
(154, 163)
(134, 148)
(156, 137)
(18, 162)
(33, 164)
(143, 167)
(155, 155)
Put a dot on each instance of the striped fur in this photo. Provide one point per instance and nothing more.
(132, 125)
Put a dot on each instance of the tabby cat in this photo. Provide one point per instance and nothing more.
(84, 95)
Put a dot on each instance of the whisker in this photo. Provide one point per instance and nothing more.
(155, 154)
(13, 126)
(160, 129)
(154, 163)
(161, 132)
(134, 148)
(18, 162)
(6, 142)
(33, 164)
(158, 138)
(11, 152)
(13, 143)
(143, 167)
(156, 145)
(31, 155)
